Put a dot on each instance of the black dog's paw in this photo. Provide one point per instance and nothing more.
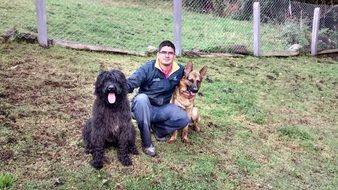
(126, 161)
(133, 150)
(96, 164)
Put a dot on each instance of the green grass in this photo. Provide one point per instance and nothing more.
(266, 123)
(19, 14)
(133, 25)
(6, 181)
(294, 132)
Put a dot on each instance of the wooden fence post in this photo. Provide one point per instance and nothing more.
(42, 22)
(315, 29)
(178, 26)
(256, 27)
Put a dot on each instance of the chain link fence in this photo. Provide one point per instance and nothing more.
(208, 25)
(19, 14)
(283, 23)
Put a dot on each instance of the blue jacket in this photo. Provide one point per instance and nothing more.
(152, 82)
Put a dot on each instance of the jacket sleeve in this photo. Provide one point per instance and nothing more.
(137, 79)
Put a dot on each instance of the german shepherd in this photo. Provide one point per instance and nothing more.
(184, 97)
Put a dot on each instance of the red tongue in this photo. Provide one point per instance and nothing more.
(192, 94)
(111, 98)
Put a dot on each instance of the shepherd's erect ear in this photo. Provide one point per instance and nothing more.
(188, 68)
(203, 71)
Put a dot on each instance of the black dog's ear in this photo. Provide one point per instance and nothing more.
(99, 81)
(188, 68)
(121, 77)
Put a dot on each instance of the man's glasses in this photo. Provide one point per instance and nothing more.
(167, 53)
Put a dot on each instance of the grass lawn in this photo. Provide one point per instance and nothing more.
(135, 25)
(267, 123)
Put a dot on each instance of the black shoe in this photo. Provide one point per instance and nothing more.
(161, 139)
(152, 130)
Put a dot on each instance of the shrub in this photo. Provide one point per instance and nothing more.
(215, 7)
(271, 10)
(295, 32)
(328, 39)
(200, 6)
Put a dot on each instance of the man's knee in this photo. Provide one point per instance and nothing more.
(185, 120)
(141, 99)
(181, 117)
(140, 108)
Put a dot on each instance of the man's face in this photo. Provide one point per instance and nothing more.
(166, 55)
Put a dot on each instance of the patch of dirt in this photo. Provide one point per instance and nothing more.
(6, 155)
(210, 124)
(45, 115)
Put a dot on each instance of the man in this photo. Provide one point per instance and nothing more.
(151, 107)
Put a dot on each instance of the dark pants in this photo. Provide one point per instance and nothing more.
(163, 119)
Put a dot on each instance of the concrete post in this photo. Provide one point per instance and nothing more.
(315, 30)
(178, 26)
(42, 22)
(256, 28)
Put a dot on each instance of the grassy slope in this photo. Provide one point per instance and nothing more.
(267, 123)
(133, 25)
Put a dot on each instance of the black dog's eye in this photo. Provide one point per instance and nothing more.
(190, 80)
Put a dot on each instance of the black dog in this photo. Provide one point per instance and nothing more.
(110, 124)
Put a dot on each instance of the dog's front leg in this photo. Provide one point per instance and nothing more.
(195, 117)
(172, 137)
(97, 142)
(97, 161)
(185, 135)
(122, 148)
(122, 154)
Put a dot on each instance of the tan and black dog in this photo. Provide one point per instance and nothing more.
(184, 96)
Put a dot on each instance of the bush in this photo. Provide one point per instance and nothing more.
(219, 6)
(295, 32)
(328, 39)
(200, 6)
(216, 7)
(271, 10)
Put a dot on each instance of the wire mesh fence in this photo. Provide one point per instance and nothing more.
(19, 14)
(208, 25)
(283, 23)
(120, 24)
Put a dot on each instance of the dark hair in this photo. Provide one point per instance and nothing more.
(166, 43)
